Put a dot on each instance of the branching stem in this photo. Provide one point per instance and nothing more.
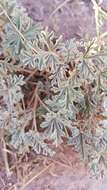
(16, 29)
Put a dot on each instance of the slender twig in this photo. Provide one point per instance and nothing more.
(30, 76)
(88, 49)
(99, 10)
(36, 176)
(6, 159)
(59, 7)
(43, 104)
(18, 31)
(96, 56)
(1, 13)
(13, 186)
(103, 35)
(96, 10)
(34, 109)
(2, 180)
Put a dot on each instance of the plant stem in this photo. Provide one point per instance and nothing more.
(96, 10)
(43, 104)
(59, 7)
(6, 159)
(36, 176)
(14, 26)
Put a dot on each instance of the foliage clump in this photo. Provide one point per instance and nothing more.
(50, 90)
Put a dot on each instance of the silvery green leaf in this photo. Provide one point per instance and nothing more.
(58, 75)
(32, 32)
(4, 117)
(35, 141)
(52, 61)
(50, 40)
(32, 60)
(85, 71)
(67, 94)
(28, 58)
(81, 142)
(54, 128)
(11, 88)
(70, 50)
(13, 40)
(17, 138)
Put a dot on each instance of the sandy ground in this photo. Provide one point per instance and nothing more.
(74, 19)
